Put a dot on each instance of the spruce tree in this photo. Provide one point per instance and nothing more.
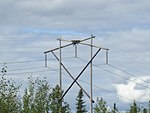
(134, 108)
(57, 105)
(80, 105)
(101, 106)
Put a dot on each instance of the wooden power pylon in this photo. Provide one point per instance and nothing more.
(61, 65)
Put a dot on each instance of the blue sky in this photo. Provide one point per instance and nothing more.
(30, 27)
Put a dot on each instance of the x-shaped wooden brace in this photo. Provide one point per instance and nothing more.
(75, 79)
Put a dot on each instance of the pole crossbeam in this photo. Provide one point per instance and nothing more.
(76, 40)
(57, 48)
(94, 46)
(72, 44)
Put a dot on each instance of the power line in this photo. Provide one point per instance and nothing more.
(116, 74)
(22, 38)
(100, 88)
(29, 72)
(19, 69)
(110, 92)
(23, 61)
(126, 51)
(52, 69)
(93, 85)
(128, 73)
(127, 66)
(56, 70)
(30, 61)
(97, 65)
(123, 77)
(38, 67)
(106, 90)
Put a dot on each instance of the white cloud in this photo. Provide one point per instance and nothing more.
(130, 92)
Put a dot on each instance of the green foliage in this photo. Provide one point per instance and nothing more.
(37, 97)
(134, 108)
(57, 105)
(80, 107)
(145, 110)
(100, 106)
(42, 97)
(9, 101)
(28, 98)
